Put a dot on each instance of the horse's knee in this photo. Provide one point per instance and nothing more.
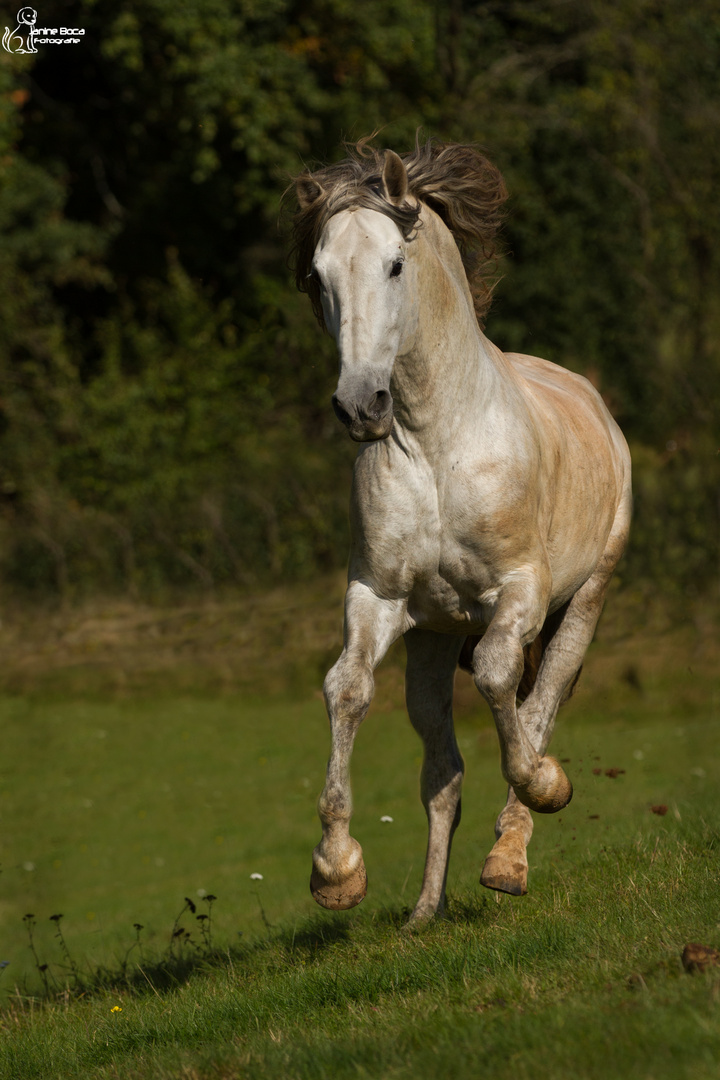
(348, 689)
(498, 664)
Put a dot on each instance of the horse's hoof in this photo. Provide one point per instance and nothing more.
(506, 867)
(501, 877)
(342, 895)
(549, 790)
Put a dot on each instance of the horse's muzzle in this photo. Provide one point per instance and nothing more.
(368, 420)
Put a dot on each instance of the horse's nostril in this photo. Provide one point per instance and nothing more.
(379, 404)
(342, 414)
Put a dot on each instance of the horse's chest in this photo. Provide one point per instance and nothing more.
(436, 546)
(457, 589)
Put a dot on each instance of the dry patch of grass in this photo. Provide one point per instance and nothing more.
(257, 642)
(284, 640)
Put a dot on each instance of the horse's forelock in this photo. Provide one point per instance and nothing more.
(348, 185)
(454, 180)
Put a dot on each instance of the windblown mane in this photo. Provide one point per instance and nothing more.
(455, 180)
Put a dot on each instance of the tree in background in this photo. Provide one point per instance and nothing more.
(163, 392)
(608, 115)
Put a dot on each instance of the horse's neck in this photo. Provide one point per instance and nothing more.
(453, 371)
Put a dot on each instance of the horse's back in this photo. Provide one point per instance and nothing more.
(571, 404)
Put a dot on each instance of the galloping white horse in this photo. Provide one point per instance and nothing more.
(490, 501)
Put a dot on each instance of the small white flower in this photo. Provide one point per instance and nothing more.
(28, 866)
(387, 818)
(256, 877)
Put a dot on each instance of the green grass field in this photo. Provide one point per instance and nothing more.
(116, 808)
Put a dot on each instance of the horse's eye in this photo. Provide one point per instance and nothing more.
(396, 268)
(315, 278)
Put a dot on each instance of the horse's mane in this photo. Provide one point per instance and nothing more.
(455, 180)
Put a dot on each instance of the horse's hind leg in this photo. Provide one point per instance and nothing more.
(338, 878)
(505, 868)
(431, 662)
(564, 654)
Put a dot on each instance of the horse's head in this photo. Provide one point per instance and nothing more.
(365, 280)
(358, 239)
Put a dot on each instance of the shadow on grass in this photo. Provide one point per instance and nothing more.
(308, 942)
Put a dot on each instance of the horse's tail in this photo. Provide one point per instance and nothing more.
(533, 654)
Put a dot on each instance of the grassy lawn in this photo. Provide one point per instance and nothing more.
(117, 806)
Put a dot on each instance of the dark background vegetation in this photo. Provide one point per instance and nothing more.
(164, 391)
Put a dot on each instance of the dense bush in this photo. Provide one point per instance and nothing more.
(164, 393)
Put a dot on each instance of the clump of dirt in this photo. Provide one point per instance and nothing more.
(697, 957)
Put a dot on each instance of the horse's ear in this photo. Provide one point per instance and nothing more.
(395, 178)
(307, 190)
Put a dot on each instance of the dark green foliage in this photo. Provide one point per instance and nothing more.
(164, 394)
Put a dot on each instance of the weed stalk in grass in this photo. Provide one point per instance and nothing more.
(206, 923)
(174, 965)
(64, 949)
(266, 922)
(179, 935)
(42, 969)
(137, 944)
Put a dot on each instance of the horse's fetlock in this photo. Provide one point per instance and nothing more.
(517, 819)
(548, 791)
(336, 858)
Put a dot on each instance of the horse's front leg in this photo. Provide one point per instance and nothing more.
(372, 624)
(538, 780)
(431, 663)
